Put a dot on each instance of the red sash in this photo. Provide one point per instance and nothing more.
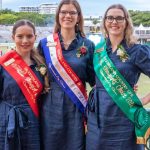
(63, 73)
(67, 68)
(24, 76)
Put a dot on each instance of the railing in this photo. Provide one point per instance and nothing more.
(143, 36)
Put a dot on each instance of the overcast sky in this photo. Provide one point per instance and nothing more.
(89, 7)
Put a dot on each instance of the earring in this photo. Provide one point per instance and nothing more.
(77, 28)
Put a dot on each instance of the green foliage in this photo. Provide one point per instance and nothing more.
(49, 19)
(8, 17)
(139, 17)
(95, 21)
(7, 11)
(37, 19)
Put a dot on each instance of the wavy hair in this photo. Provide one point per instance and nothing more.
(128, 33)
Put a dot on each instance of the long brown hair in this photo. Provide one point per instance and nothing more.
(128, 33)
(80, 23)
(34, 52)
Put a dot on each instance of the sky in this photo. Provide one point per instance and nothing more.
(89, 7)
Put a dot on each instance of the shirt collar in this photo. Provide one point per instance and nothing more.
(123, 43)
(73, 44)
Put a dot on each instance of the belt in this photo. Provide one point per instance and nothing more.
(17, 120)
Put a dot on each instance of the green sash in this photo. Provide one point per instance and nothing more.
(122, 93)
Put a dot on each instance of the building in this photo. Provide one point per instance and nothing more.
(44, 8)
(142, 33)
(29, 9)
(48, 8)
(92, 24)
(89, 17)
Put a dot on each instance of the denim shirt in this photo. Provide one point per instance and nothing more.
(83, 65)
(138, 61)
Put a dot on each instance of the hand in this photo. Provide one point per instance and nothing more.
(146, 99)
(135, 88)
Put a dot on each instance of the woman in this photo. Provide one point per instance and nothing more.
(21, 82)
(69, 57)
(113, 105)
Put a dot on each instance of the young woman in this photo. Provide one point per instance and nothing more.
(22, 78)
(115, 112)
(69, 56)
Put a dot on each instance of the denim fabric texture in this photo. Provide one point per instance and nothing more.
(62, 124)
(19, 127)
(108, 127)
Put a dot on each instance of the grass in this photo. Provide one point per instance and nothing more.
(144, 87)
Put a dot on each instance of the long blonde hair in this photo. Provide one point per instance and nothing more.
(34, 52)
(128, 33)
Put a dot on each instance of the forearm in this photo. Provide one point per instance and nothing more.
(146, 99)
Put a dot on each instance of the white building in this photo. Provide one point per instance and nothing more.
(48, 8)
(142, 33)
(44, 8)
(90, 25)
(89, 17)
(29, 9)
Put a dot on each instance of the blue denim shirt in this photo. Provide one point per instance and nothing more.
(83, 65)
(17, 120)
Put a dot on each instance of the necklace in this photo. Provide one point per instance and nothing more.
(68, 42)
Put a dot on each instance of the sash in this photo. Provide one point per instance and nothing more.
(62, 72)
(122, 93)
(24, 76)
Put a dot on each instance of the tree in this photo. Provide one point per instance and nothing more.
(6, 11)
(8, 19)
(95, 21)
(139, 17)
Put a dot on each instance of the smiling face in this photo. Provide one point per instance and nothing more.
(118, 25)
(68, 16)
(24, 38)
